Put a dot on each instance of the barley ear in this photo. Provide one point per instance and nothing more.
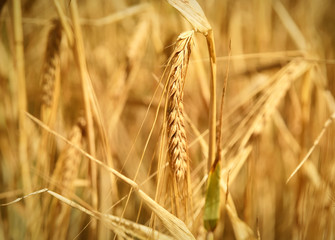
(177, 146)
(51, 71)
(193, 13)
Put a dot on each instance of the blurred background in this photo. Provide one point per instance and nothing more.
(101, 91)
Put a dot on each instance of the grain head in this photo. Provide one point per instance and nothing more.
(177, 146)
(51, 62)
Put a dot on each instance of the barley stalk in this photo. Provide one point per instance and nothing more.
(177, 146)
(88, 93)
(193, 13)
(22, 95)
(19, 63)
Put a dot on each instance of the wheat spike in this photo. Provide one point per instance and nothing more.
(50, 84)
(63, 177)
(51, 60)
(177, 146)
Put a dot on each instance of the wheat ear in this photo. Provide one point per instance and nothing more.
(50, 83)
(177, 146)
(50, 63)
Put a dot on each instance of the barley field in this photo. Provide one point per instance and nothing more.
(147, 119)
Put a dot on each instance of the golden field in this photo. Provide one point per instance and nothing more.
(87, 119)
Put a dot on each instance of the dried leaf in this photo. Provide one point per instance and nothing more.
(193, 13)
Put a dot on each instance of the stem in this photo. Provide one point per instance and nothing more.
(22, 96)
(212, 103)
(32, 210)
(219, 131)
(87, 95)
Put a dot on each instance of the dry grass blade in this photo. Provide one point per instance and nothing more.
(64, 22)
(316, 142)
(219, 128)
(193, 13)
(122, 227)
(140, 8)
(290, 25)
(176, 227)
(241, 229)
